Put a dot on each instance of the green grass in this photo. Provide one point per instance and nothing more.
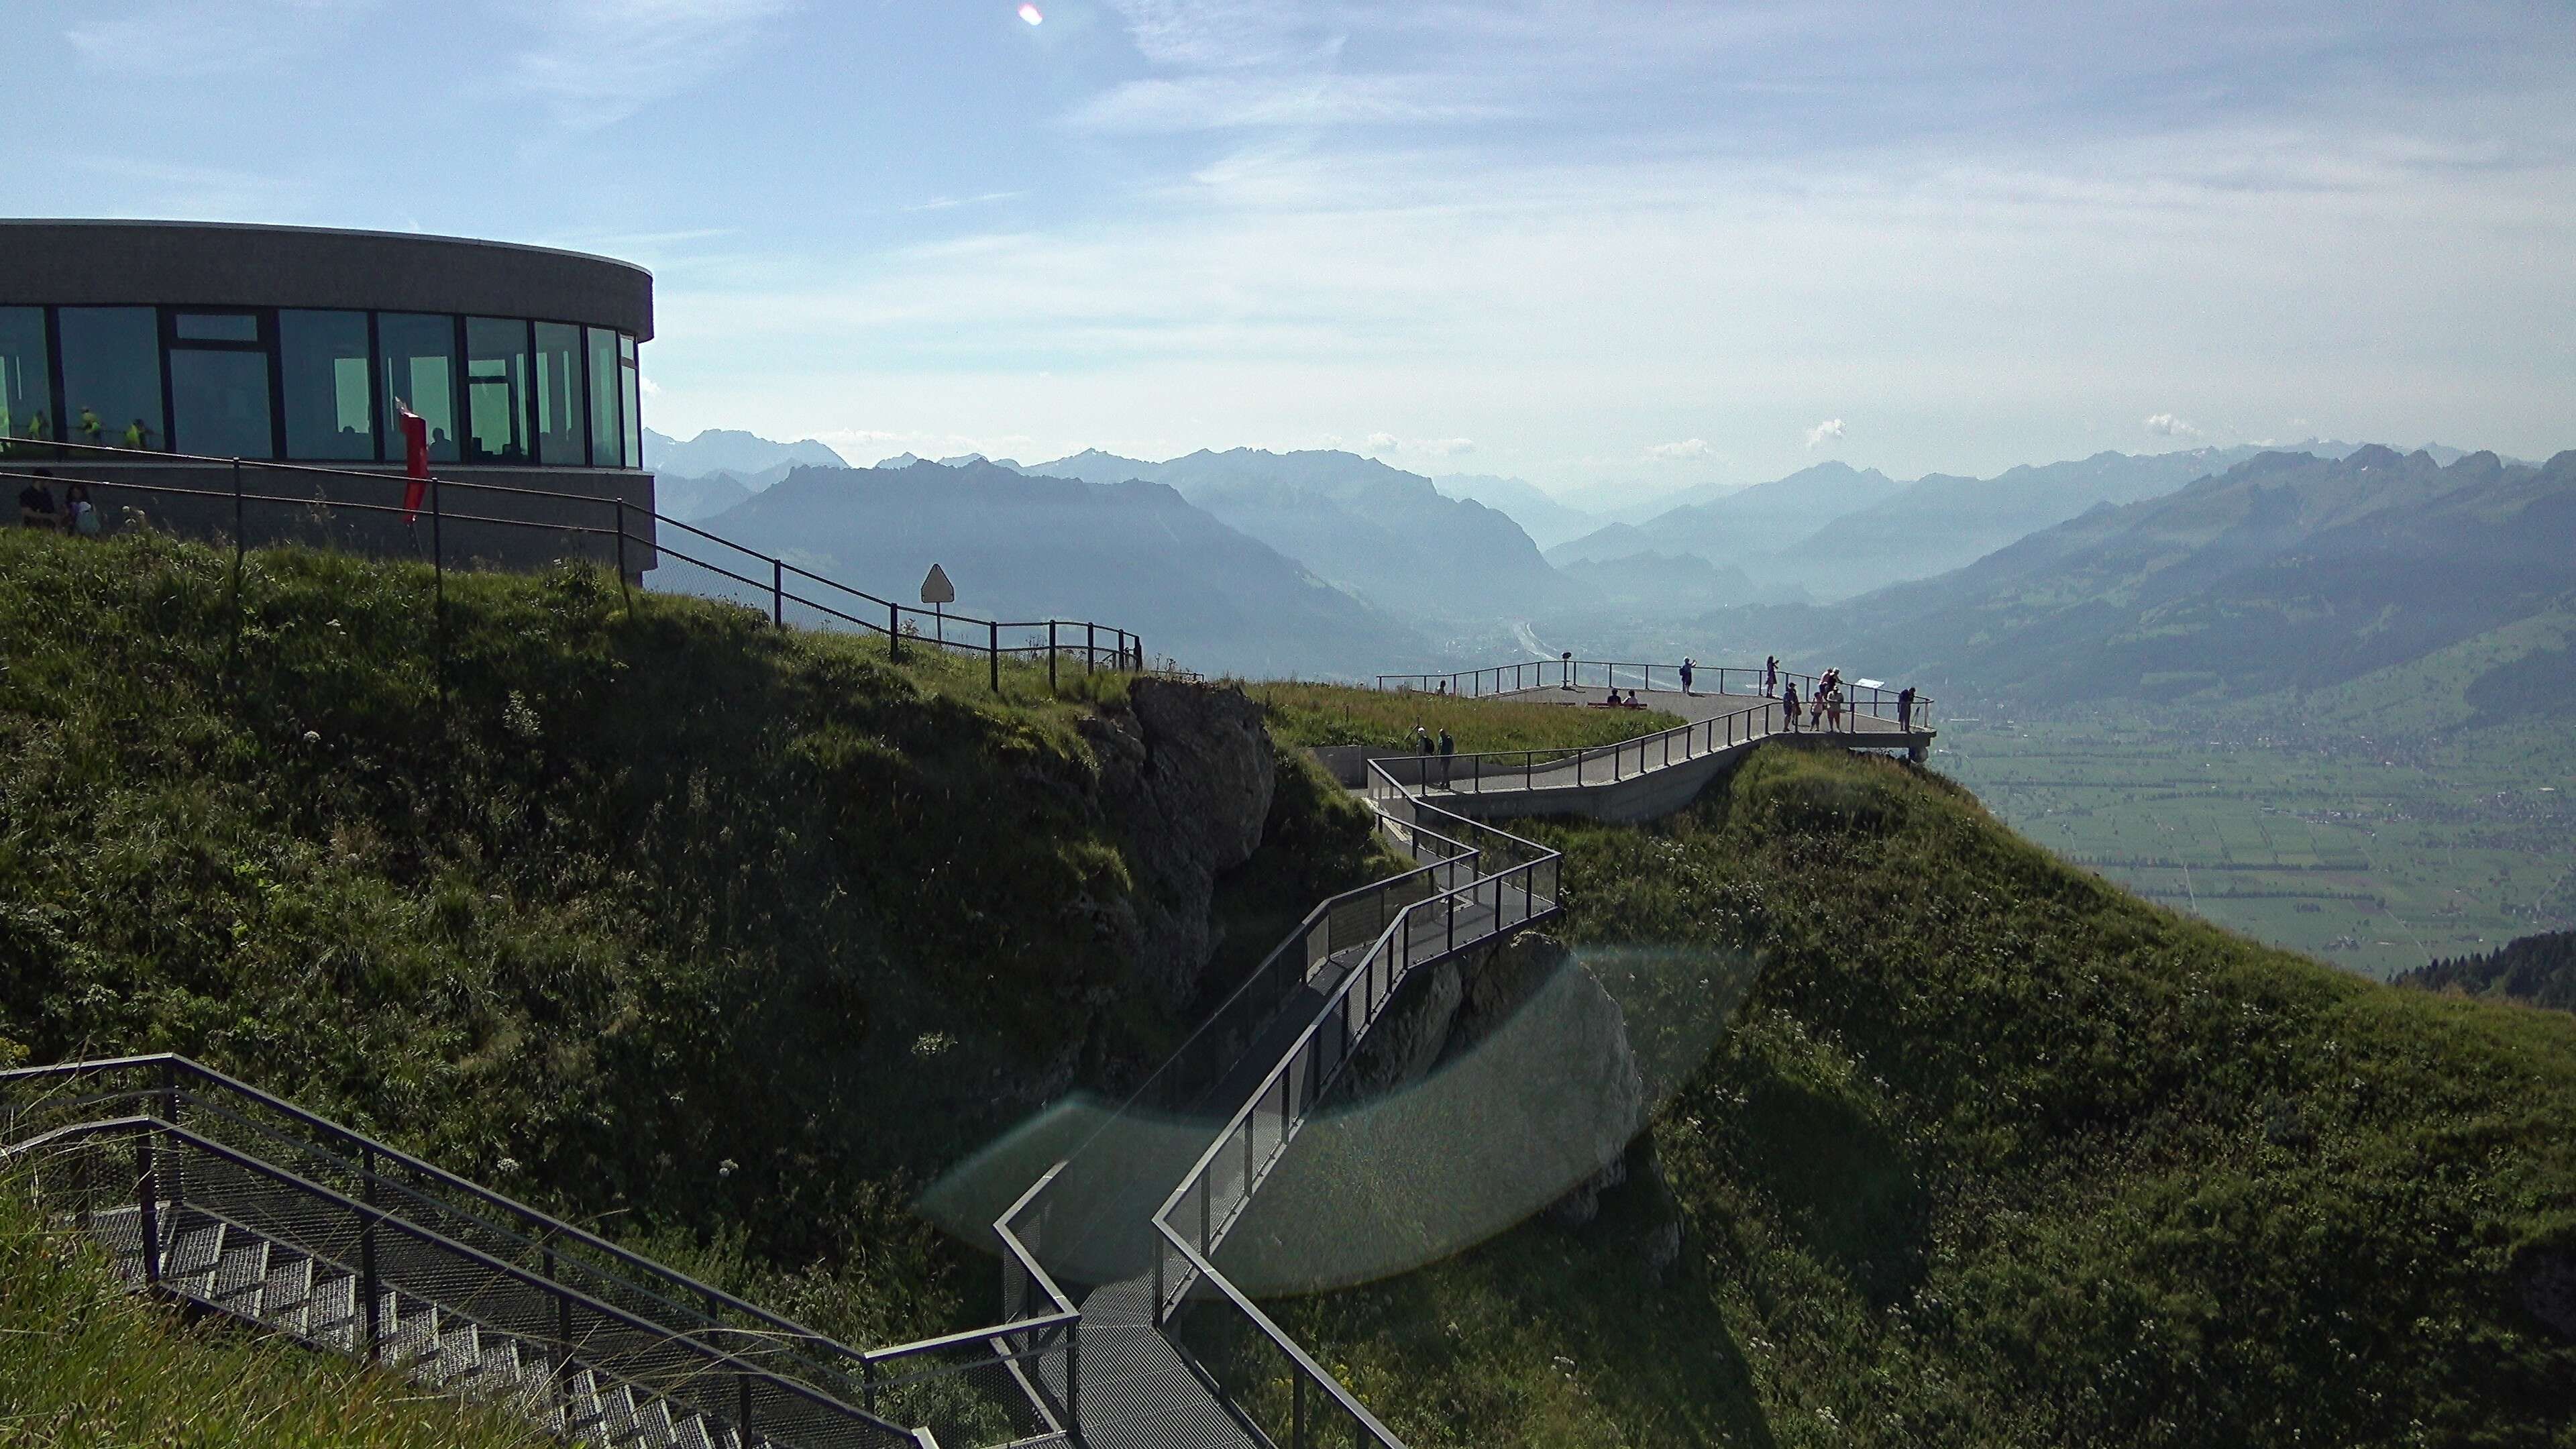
(723, 939)
(85, 1363)
(1997, 1154)
(1336, 714)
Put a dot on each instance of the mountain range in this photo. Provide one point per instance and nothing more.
(1386, 536)
(1133, 554)
(2288, 572)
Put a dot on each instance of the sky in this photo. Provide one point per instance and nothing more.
(1598, 246)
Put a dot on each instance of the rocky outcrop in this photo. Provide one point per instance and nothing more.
(1188, 770)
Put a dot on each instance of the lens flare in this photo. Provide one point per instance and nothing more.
(1032, 15)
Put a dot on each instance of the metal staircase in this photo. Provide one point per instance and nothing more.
(228, 1200)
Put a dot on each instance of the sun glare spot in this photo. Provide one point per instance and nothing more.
(1032, 14)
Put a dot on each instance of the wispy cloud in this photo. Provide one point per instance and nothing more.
(1687, 448)
(1828, 431)
(599, 61)
(177, 40)
(2166, 425)
(1224, 34)
(1222, 102)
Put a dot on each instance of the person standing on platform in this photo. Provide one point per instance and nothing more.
(1448, 754)
(1905, 708)
(1686, 677)
(1789, 706)
(1771, 676)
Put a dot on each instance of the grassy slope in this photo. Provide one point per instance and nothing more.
(1996, 1154)
(74, 1337)
(716, 936)
(1332, 714)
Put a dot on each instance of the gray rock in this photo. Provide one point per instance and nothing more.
(1188, 772)
(1408, 1038)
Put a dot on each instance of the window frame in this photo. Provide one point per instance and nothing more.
(264, 323)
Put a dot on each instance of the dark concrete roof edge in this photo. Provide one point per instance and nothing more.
(140, 223)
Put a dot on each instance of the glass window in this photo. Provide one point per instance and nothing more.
(330, 413)
(496, 390)
(562, 426)
(112, 376)
(634, 440)
(215, 327)
(607, 435)
(420, 369)
(26, 376)
(219, 402)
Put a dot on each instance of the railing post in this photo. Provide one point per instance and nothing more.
(1050, 656)
(778, 593)
(1090, 646)
(367, 1278)
(894, 631)
(147, 1201)
(621, 559)
(993, 652)
(438, 573)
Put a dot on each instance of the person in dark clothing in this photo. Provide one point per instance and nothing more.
(1771, 676)
(36, 504)
(1448, 750)
(1686, 676)
(1905, 708)
(1789, 706)
(1423, 746)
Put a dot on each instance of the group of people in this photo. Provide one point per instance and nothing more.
(75, 514)
(1824, 705)
(1443, 748)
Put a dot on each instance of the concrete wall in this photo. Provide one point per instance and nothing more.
(131, 263)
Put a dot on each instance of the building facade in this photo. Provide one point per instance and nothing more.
(296, 345)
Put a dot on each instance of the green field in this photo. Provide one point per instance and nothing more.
(2373, 854)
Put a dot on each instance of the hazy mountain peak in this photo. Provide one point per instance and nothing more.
(731, 450)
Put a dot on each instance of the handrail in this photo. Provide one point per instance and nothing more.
(1315, 1078)
(171, 1062)
(1127, 648)
(1571, 675)
(1466, 774)
(372, 1216)
(689, 1306)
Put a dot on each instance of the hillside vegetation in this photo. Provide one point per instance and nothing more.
(2538, 969)
(1997, 1154)
(721, 938)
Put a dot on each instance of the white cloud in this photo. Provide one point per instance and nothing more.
(1221, 34)
(1828, 431)
(2166, 425)
(1380, 443)
(600, 61)
(1674, 452)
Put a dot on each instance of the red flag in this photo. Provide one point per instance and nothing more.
(415, 431)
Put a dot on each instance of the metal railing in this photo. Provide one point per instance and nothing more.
(1514, 884)
(592, 526)
(972, 1388)
(171, 1174)
(1578, 675)
(1496, 771)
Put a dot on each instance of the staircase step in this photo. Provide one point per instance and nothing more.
(190, 1266)
(288, 1299)
(240, 1275)
(333, 1316)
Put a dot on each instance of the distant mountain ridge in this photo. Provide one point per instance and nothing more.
(730, 450)
(1024, 546)
(1746, 528)
(1547, 519)
(1386, 535)
(2287, 572)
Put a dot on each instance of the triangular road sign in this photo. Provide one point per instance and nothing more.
(935, 589)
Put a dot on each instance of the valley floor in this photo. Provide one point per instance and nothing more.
(2375, 856)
